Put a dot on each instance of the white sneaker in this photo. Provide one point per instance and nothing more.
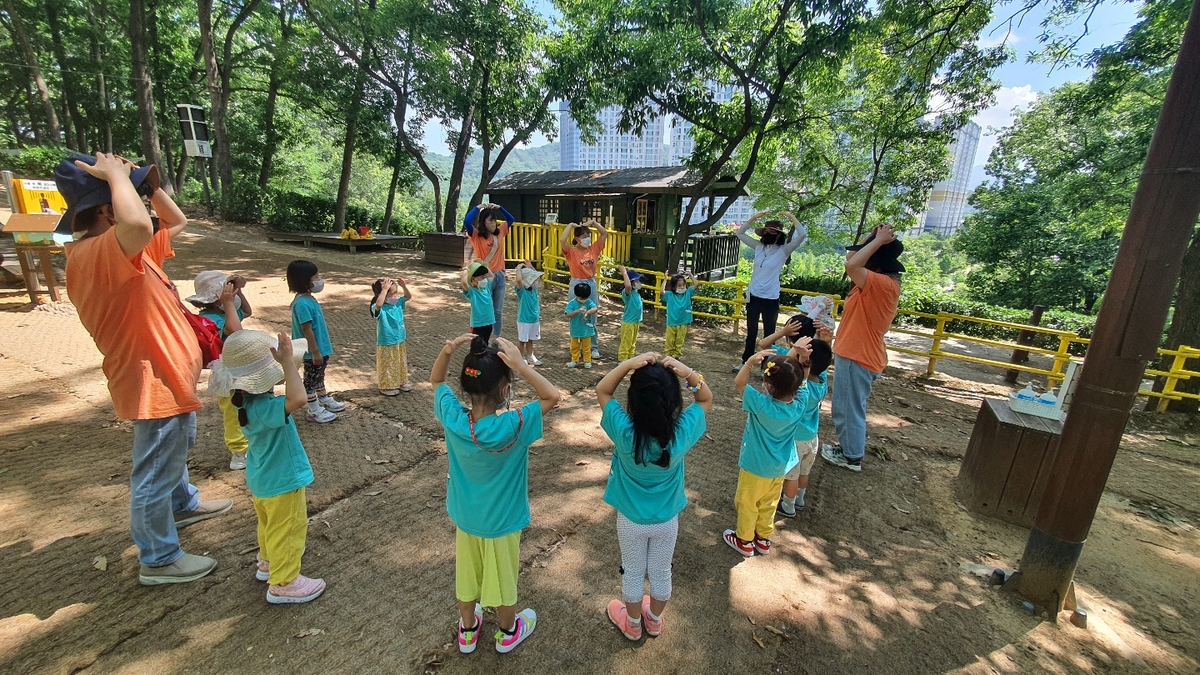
(588, 365)
(572, 364)
(237, 462)
(331, 404)
(595, 353)
(534, 361)
(322, 416)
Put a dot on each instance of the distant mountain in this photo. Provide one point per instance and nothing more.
(540, 158)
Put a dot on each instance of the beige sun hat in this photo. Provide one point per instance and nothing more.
(209, 285)
(528, 276)
(246, 363)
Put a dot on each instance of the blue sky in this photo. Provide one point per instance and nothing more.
(1021, 82)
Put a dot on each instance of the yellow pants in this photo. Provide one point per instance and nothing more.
(391, 366)
(486, 569)
(629, 333)
(234, 439)
(581, 350)
(675, 337)
(756, 499)
(282, 529)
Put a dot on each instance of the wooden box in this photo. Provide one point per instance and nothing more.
(445, 248)
(33, 229)
(1007, 463)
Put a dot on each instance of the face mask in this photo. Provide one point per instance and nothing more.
(481, 283)
(637, 285)
(680, 291)
(585, 241)
(391, 301)
(507, 399)
(318, 286)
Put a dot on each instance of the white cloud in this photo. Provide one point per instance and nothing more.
(1000, 115)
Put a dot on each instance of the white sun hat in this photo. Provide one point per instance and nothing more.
(246, 363)
(528, 276)
(209, 285)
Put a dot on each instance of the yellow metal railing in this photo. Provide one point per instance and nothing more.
(539, 243)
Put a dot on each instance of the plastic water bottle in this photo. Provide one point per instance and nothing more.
(1027, 394)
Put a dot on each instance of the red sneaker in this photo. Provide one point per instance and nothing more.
(743, 547)
(762, 546)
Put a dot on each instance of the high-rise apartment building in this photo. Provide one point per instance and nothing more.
(612, 149)
(681, 148)
(947, 204)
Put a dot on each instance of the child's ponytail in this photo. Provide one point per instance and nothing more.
(484, 373)
(655, 404)
(784, 375)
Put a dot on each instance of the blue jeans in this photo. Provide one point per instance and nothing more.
(159, 487)
(498, 283)
(595, 297)
(851, 388)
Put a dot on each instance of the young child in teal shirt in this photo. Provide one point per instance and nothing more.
(816, 355)
(391, 352)
(580, 311)
(487, 495)
(768, 450)
(677, 296)
(631, 320)
(529, 310)
(220, 299)
(476, 286)
(651, 435)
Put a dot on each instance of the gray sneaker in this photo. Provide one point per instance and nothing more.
(203, 511)
(188, 568)
(833, 455)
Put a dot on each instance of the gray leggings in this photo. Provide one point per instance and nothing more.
(646, 550)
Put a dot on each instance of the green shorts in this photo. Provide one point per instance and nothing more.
(486, 569)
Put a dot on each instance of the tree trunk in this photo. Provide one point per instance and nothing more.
(144, 88)
(27, 54)
(181, 176)
(343, 195)
(270, 134)
(105, 115)
(71, 118)
(160, 96)
(212, 81)
(461, 149)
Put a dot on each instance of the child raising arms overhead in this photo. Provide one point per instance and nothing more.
(651, 435)
(677, 296)
(488, 492)
(391, 354)
(768, 448)
(220, 299)
(476, 287)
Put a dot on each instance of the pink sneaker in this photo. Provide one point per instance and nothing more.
(262, 570)
(468, 639)
(301, 589)
(653, 628)
(620, 618)
(522, 628)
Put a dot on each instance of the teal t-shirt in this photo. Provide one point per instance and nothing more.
(633, 306)
(810, 395)
(648, 494)
(488, 491)
(306, 309)
(768, 443)
(219, 319)
(581, 326)
(528, 308)
(679, 307)
(483, 313)
(389, 323)
(275, 461)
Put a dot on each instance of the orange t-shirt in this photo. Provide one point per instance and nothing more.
(483, 247)
(582, 262)
(868, 314)
(151, 356)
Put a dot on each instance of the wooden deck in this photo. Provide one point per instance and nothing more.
(331, 239)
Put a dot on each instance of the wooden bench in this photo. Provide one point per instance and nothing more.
(1007, 463)
(331, 239)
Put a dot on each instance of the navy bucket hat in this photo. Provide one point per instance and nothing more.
(82, 190)
(885, 259)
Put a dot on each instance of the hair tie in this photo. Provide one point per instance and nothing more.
(480, 352)
(771, 365)
(471, 372)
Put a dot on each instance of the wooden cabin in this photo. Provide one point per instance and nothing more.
(645, 203)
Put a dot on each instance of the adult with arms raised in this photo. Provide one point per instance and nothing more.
(151, 355)
(582, 254)
(772, 250)
(486, 233)
(859, 354)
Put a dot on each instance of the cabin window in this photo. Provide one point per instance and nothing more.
(545, 207)
(645, 219)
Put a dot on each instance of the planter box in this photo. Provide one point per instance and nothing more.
(445, 248)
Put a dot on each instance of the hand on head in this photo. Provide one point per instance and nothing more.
(228, 291)
(283, 353)
(238, 281)
(107, 166)
(642, 360)
(459, 341)
(510, 355)
(761, 356)
(676, 366)
(885, 233)
(803, 345)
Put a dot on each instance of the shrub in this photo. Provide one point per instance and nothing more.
(37, 163)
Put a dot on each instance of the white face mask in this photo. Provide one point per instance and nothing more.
(680, 291)
(637, 285)
(481, 283)
(585, 241)
(391, 301)
(318, 286)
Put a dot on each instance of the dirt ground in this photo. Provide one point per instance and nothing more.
(873, 577)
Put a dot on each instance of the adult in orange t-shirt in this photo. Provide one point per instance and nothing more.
(151, 354)
(859, 354)
(486, 232)
(582, 254)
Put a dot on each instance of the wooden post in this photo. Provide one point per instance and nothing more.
(1161, 221)
(1025, 337)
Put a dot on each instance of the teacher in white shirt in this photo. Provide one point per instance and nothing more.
(772, 250)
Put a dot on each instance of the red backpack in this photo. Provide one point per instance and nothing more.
(207, 334)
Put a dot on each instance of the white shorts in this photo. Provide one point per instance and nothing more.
(807, 450)
(528, 332)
